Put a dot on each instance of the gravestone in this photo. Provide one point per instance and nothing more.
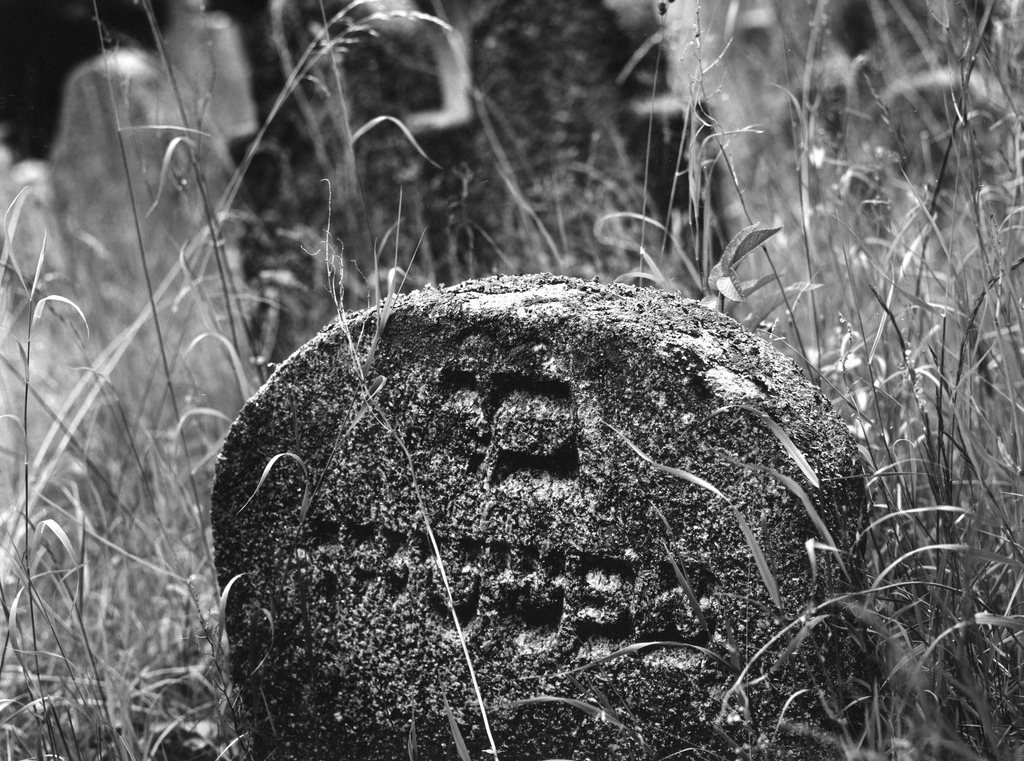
(26, 203)
(509, 413)
(135, 222)
(41, 42)
(125, 100)
(207, 53)
(544, 176)
(125, 91)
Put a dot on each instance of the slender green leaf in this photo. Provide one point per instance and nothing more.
(637, 275)
(165, 167)
(913, 512)
(794, 644)
(759, 557)
(591, 710)
(222, 603)
(787, 443)
(59, 299)
(266, 473)
(12, 620)
(200, 412)
(748, 287)
(755, 547)
(685, 475)
(57, 531)
(375, 388)
(785, 707)
(684, 583)
(270, 648)
(796, 489)
(460, 743)
(687, 261)
(411, 744)
(245, 386)
(637, 646)
(1008, 622)
(10, 416)
(405, 131)
(995, 558)
(906, 556)
(11, 217)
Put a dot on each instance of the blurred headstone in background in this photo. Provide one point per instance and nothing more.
(543, 175)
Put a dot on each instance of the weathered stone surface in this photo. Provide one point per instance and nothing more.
(500, 411)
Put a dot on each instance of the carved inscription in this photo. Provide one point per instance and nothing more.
(523, 434)
(526, 424)
(519, 433)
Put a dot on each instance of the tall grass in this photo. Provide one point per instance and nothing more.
(907, 311)
(895, 282)
(114, 409)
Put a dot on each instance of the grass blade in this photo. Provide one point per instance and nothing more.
(755, 548)
(460, 743)
(266, 473)
(759, 558)
(787, 443)
(61, 300)
(677, 472)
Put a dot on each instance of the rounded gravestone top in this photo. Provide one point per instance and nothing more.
(509, 413)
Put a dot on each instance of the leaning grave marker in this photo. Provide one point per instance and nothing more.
(503, 416)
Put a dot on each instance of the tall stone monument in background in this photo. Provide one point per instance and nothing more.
(542, 174)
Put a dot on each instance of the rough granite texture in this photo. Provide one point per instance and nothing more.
(502, 418)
